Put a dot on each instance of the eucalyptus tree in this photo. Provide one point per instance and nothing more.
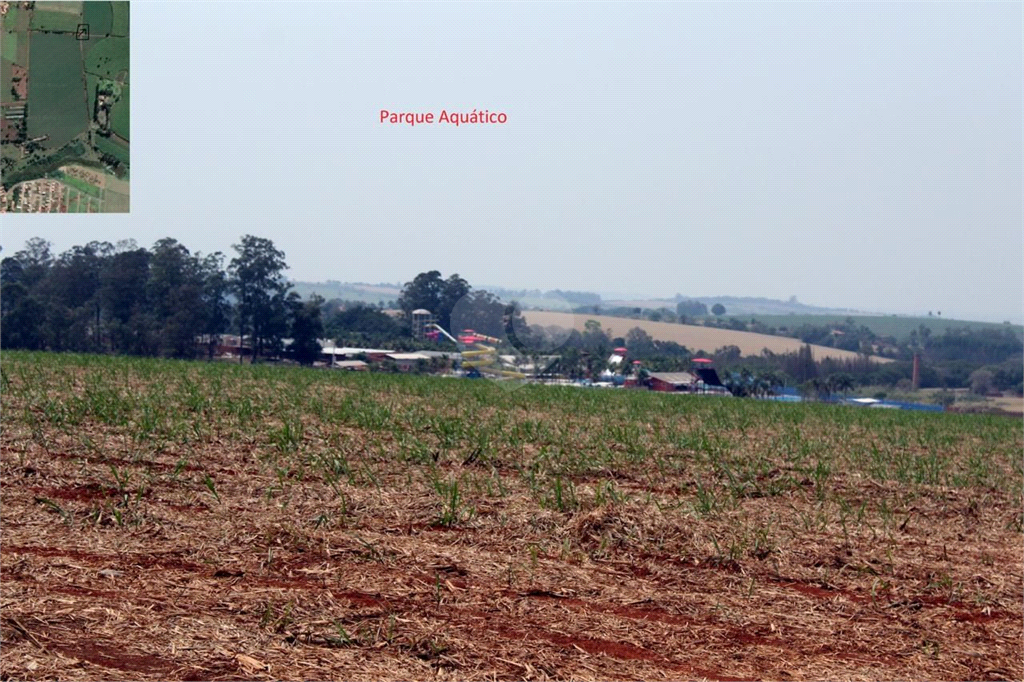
(257, 280)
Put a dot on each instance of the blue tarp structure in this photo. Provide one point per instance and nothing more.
(921, 407)
(789, 394)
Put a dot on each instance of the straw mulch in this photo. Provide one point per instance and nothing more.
(284, 579)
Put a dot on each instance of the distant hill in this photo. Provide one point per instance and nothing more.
(774, 313)
(385, 292)
(350, 291)
(897, 326)
(737, 306)
(558, 300)
(691, 336)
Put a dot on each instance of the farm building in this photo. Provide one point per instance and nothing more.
(671, 381)
(225, 345)
(406, 361)
(351, 365)
(333, 354)
(443, 355)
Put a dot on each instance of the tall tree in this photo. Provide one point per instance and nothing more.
(639, 342)
(122, 294)
(306, 328)
(260, 287)
(74, 312)
(216, 307)
(424, 291)
(452, 291)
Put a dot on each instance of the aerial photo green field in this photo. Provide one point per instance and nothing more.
(64, 73)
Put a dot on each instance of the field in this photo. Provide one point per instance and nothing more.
(81, 202)
(120, 115)
(115, 196)
(9, 46)
(6, 73)
(56, 20)
(883, 325)
(692, 336)
(171, 520)
(99, 16)
(58, 89)
(83, 187)
(109, 146)
(121, 18)
(109, 58)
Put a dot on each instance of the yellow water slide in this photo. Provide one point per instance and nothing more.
(481, 357)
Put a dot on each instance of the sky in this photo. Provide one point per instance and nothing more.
(853, 154)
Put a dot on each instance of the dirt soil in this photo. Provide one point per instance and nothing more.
(230, 590)
(121, 561)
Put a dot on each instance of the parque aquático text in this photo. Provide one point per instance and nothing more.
(455, 118)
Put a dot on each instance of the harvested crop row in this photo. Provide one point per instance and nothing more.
(206, 521)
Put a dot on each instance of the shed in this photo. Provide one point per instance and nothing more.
(407, 360)
(671, 381)
(351, 365)
(348, 351)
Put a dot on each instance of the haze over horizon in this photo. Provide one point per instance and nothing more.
(856, 155)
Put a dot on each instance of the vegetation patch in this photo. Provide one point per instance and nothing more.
(6, 74)
(58, 90)
(120, 114)
(111, 147)
(82, 186)
(9, 48)
(121, 18)
(56, 21)
(366, 525)
(109, 58)
(100, 17)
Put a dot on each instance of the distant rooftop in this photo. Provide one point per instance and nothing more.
(356, 351)
(674, 378)
(408, 356)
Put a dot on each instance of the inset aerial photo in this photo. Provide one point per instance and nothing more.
(64, 107)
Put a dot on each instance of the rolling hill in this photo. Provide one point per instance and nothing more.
(691, 336)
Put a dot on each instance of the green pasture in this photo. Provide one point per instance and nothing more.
(120, 20)
(51, 20)
(108, 58)
(57, 89)
(108, 146)
(9, 23)
(63, 6)
(100, 17)
(9, 46)
(5, 78)
(120, 113)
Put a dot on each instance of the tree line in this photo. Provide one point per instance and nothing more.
(162, 301)
(168, 301)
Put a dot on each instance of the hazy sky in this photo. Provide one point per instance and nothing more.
(858, 154)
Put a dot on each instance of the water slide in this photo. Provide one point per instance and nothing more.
(481, 357)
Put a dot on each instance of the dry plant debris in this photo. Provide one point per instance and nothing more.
(192, 521)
